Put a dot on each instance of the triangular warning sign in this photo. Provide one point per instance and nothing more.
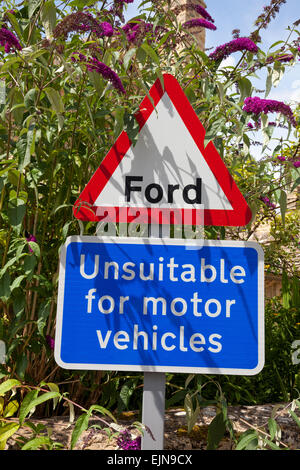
(167, 169)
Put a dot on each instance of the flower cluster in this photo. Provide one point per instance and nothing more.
(199, 23)
(118, 2)
(267, 201)
(280, 58)
(136, 31)
(238, 44)
(30, 238)
(50, 341)
(201, 10)
(195, 7)
(258, 105)
(93, 64)
(9, 40)
(126, 442)
(269, 12)
(295, 163)
(82, 22)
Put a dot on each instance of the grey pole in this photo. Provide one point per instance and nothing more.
(153, 413)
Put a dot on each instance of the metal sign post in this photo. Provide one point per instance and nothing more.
(153, 411)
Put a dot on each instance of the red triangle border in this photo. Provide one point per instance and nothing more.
(239, 216)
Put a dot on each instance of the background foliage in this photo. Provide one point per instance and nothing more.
(74, 83)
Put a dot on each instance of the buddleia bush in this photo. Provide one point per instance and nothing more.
(72, 77)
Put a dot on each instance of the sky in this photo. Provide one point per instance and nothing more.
(241, 14)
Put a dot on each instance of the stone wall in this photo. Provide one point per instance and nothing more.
(189, 14)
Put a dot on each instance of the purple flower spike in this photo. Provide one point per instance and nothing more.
(281, 158)
(9, 40)
(30, 238)
(50, 341)
(93, 64)
(199, 23)
(136, 31)
(238, 44)
(296, 164)
(199, 9)
(125, 441)
(81, 21)
(106, 72)
(267, 201)
(258, 105)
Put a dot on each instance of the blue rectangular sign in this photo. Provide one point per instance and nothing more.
(164, 305)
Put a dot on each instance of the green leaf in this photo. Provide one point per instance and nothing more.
(221, 91)
(296, 183)
(27, 148)
(283, 205)
(245, 87)
(22, 363)
(43, 314)
(32, 6)
(128, 56)
(8, 385)
(188, 380)
(216, 431)
(272, 427)
(295, 417)
(37, 443)
(119, 122)
(276, 44)
(48, 17)
(101, 410)
(16, 283)
(151, 53)
(81, 425)
(31, 401)
(14, 22)
(10, 409)
(29, 397)
(248, 441)
(9, 62)
(16, 212)
(15, 176)
(57, 104)
(277, 73)
(55, 99)
(125, 394)
(54, 388)
(268, 82)
(272, 445)
(191, 413)
(35, 248)
(5, 291)
(82, 3)
(30, 97)
(7, 431)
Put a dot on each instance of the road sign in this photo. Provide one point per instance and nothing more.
(163, 305)
(168, 169)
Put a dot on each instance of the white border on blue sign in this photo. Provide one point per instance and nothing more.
(191, 244)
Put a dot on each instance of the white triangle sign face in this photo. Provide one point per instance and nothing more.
(168, 169)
